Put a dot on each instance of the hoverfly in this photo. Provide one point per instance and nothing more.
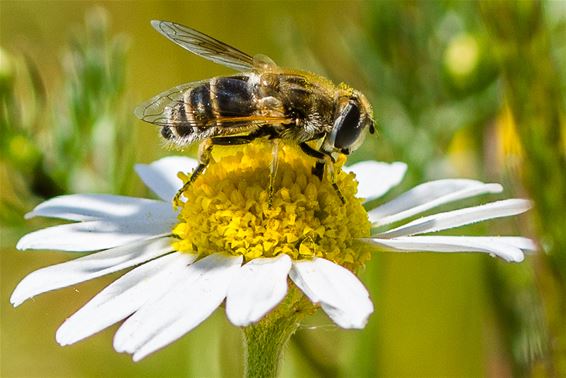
(262, 101)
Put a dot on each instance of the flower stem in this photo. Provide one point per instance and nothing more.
(264, 347)
(265, 341)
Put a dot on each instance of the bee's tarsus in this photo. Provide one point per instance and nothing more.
(196, 173)
(332, 174)
(205, 150)
(339, 193)
(318, 171)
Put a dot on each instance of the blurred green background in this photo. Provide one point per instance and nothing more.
(460, 89)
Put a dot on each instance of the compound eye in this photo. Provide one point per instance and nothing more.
(348, 127)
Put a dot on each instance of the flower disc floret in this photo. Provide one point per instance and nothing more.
(227, 209)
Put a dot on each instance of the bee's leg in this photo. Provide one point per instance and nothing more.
(324, 160)
(273, 170)
(205, 149)
(318, 169)
(243, 139)
(332, 173)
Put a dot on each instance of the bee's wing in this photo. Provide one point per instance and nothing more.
(157, 110)
(204, 45)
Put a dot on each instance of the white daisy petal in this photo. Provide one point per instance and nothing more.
(428, 196)
(508, 248)
(88, 267)
(190, 302)
(457, 218)
(525, 244)
(84, 207)
(123, 297)
(376, 178)
(97, 235)
(161, 175)
(422, 194)
(341, 295)
(257, 288)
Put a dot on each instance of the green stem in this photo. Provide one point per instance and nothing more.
(265, 341)
(264, 345)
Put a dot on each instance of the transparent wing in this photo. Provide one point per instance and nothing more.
(204, 45)
(159, 109)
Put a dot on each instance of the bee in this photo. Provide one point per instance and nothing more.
(262, 101)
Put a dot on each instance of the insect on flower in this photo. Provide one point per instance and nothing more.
(263, 101)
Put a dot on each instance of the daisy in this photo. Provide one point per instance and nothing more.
(223, 243)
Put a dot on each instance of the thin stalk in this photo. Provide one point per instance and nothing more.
(265, 341)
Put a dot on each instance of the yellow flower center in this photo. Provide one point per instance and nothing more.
(227, 208)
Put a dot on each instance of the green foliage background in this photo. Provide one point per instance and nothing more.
(460, 89)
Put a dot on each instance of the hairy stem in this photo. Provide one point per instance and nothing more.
(265, 341)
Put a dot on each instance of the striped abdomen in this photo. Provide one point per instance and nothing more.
(205, 105)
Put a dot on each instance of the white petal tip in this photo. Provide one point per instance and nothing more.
(30, 241)
(243, 320)
(23, 244)
(119, 346)
(400, 166)
(62, 340)
(520, 204)
(20, 294)
(120, 342)
(528, 204)
(239, 319)
(357, 319)
(15, 300)
(138, 357)
(66, 334)
(515, 258)
(494, 188)
(361, 324)
(29, 215)
(142, 353)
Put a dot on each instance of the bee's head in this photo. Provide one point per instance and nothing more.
(353, 117)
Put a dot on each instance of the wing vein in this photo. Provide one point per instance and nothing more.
(205, 46)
